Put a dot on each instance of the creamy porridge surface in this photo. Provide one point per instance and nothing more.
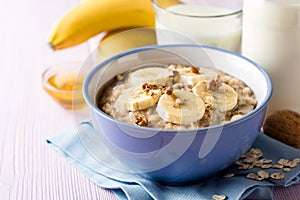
(176, 97)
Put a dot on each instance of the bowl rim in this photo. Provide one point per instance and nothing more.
(90, 103)
(61, 67)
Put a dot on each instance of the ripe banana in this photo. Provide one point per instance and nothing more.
(153, 75)
(144, 97)
(125, 39)
(92, 17)
(180, 107)
(224, 98)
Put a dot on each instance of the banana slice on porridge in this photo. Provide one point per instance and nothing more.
(176, 97)
(153, 75)
(121, 102)
(144, 97)
(221, 96)
(192, 76)
(180, 107)
(200, 90)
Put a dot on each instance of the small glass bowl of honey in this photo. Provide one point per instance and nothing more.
(63, 83)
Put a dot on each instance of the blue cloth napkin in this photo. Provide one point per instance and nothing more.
(134, 187)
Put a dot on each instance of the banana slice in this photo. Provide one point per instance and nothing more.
(200, 90)
(154, 75)
(191, 78)
(205, 74)
(122, 99)
(192, 75)
(145, 97)
(180, 107)
(224, 98)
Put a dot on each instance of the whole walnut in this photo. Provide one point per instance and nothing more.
(283, 125)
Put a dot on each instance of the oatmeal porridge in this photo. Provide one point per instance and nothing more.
(176, 97)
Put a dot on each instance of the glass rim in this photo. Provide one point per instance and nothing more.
(157, 6)
(285, 4)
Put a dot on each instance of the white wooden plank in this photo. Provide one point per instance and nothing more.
(30, 169)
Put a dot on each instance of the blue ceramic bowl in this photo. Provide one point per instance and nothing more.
(178, 156)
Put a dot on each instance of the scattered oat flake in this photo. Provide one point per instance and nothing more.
(259, 178)
(286, 169)
(291, 164)
(239, 162)
(266, 166)
(282, 161)
(297, 160)
(251, 176)
(260, 161)
(228, 175)
(246, 166)
(267, 161)
(263, 174)
(250, 160)
(277, 176)
(256, 152)
(219, 197)
(277, 166)
(258, 164)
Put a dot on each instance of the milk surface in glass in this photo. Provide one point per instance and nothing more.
(203, 24)
(271, 37)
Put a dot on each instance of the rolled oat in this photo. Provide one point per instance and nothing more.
(219, 197)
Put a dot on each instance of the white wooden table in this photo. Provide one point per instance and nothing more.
(30, 169)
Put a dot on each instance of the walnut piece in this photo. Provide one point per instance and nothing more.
(141, 121)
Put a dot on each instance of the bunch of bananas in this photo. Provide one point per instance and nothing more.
(92, 17)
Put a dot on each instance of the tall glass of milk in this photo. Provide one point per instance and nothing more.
(207, 22)
(271, 37)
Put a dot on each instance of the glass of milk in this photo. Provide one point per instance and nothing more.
(271, 37)
(207, 22)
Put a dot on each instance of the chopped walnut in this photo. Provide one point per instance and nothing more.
(148, 86)
(169, 91)
(194, 70)
(141, 121)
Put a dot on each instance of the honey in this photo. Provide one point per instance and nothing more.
(64, 87)
(64, 81)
